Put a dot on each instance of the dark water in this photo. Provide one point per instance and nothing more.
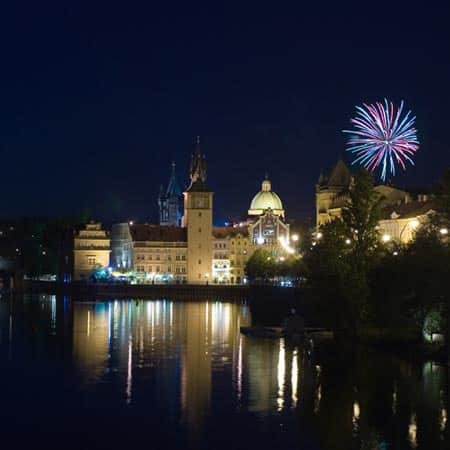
(162, 374)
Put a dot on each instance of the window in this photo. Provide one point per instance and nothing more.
(158, 269)
(169, 269)
(199, 261)
(150, 268)
(169, 258)
(199, 214)
(177, 270)
(183, 270)
(91, 260)
(199, 230)
(157, 257)
(177, 257)
(183, 257)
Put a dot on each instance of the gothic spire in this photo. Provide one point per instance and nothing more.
(173, 188)
(198, 169)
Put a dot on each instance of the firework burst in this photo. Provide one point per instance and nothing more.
(383, 138)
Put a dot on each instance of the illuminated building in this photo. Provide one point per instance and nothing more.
(401, 214)
(91, 250)
(157, 254)
(198, 204)
(197, 252)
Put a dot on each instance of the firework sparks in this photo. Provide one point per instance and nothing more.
(383, 137)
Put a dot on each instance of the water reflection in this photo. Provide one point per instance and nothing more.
(188, 364)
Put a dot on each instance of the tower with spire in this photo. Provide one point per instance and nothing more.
(198, 204)
(170, 202)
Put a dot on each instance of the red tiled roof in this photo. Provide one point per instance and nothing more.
(158, 233)
(223, 232)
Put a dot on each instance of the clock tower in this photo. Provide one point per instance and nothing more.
(198, 221)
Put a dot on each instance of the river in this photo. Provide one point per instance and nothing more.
(163, 374)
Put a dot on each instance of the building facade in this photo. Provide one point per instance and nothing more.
(402, 212)
(196, 252)
(91, 250)
(155, 253)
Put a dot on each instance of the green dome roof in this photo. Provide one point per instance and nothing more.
(266, 199)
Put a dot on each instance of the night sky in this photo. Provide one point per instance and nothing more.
(98, 98)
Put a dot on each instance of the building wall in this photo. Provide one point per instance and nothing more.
(400, 229)
(198, 220)
(159, 262)
(241, 249)
(91, 249)
(221, 261)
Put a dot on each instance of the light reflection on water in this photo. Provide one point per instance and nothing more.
(189, 363)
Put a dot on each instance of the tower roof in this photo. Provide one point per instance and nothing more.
(173, 188)
(198, 169)
(340, 175)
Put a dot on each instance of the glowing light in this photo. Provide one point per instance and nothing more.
(382, 137)
(285, 245)
(355, 417)
(294, 378)
(412, 431)
(281, 371)
(317, 399)
(319, 235)
(443, 231)
(295, 237)
(443, 420)
(131, 222)
(348, 241)
(395, 253)
(414, 223)
(386, 238)
(260, 240)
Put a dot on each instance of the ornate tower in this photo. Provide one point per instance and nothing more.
(198, 220)
(331, 193)
(170, 202)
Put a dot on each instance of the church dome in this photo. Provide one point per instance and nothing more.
(266, 199)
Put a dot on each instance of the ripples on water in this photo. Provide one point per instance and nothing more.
(168, 374)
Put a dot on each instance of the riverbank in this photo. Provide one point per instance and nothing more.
(91, 291)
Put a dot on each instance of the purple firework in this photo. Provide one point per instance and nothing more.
(382, 137)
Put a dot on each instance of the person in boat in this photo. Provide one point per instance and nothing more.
(294, 324)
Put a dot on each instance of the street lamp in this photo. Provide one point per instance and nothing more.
(348, 241)
(386, 238)
(319, 235)
(295, 237)
(443, 231)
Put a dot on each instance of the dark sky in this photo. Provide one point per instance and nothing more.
(98, 98)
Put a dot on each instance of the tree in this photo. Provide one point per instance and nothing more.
(260, 266)
(361, 216)
(327, 266)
